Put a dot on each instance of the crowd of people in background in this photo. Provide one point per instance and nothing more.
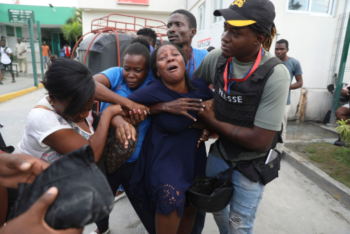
(8, 56)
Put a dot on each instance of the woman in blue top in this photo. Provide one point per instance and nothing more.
(123, 81)
(170, 158)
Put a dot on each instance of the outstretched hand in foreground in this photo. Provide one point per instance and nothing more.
(33, 220)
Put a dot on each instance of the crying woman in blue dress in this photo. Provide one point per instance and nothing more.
(170, 158)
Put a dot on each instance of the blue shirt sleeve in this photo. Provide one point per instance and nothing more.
(200, 56)
(115, 76)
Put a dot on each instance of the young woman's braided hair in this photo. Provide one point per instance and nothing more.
(266, 45)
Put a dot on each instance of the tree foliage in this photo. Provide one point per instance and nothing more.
(76, 17)
(73, 27)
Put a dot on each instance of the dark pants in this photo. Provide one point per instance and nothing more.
(122, 176)
(12, 198)
(198, 223)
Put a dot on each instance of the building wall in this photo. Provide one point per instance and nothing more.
(311, 40)
(155, 6)
(157, 9)
(55, 3)
(50, 18)
(44, 14)
(89, 16)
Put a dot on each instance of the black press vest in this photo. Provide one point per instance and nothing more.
(239, 107)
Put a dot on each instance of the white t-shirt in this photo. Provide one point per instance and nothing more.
(40, 124)
(5, 59)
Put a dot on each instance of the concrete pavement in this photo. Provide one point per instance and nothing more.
(291, 204)
(24, 81)
(21, 83)
(13, 115)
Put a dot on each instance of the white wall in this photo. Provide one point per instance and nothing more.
(311, 41)
(91, 15)
(155, 6)
(211, 30)
(55, 3)
(157, 9)
(311, 38)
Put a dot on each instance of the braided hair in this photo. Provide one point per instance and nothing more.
(139, 46)
(266, 45)
(155, 69)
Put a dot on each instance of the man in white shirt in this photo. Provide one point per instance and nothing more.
(21, 56)
(6, 62)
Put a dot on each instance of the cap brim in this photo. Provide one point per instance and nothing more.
(234, 18)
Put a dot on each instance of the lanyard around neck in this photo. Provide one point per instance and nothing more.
(189, 63)
(249, 73)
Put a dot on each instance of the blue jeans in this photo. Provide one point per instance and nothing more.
(238, 217)
(122, 177)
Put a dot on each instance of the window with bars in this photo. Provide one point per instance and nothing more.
(201, 10)
(217, 4)
(10, 31)
(320, 7)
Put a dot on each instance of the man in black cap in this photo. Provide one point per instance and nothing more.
(251, 89)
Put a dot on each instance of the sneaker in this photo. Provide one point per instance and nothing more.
(13, 81)
(119, 197)
(97, 232)
(1, 83)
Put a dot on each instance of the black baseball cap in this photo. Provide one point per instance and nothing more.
(246, 12)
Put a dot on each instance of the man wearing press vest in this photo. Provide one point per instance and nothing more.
(251, 90)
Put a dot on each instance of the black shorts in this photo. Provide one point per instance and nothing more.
(4, 66)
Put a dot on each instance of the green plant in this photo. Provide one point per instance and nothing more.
(311, 151)
(76, 17)
(344, 131)
(343, 156)
(72, 31)
(73, 28)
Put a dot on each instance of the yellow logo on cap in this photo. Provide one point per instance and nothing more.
(239, 3)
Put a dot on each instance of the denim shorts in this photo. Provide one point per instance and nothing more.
(238, 217)
(4, 66)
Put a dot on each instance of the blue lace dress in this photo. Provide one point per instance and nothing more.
(169, 159)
